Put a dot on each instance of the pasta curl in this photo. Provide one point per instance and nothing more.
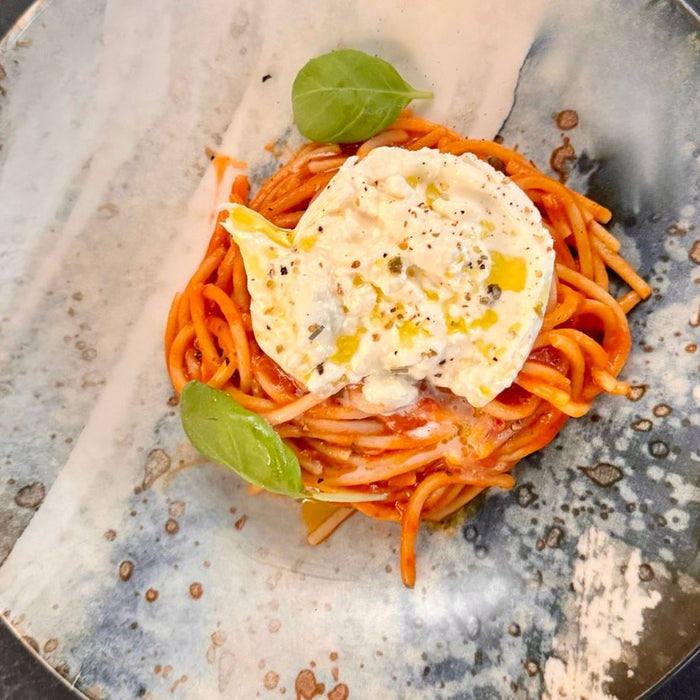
(436, 456)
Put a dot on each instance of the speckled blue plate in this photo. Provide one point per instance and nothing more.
(137, 569)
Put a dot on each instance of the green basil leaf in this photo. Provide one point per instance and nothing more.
(347, 96)
(222, 430)
(225, 432)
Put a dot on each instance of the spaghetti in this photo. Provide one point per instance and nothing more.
(436, 456)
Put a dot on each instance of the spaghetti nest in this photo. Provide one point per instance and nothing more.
(434, 457)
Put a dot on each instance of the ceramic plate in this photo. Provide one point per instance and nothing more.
(136, 569)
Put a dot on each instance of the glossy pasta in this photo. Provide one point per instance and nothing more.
(409, 456)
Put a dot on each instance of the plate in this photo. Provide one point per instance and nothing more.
(137, 570)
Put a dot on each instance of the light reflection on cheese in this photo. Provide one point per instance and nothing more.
(410, 265)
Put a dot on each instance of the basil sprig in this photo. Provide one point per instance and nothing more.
(347, 96)
(225, 432)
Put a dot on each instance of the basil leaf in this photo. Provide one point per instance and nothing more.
(347, 96)
(222, 430)
(225, 432)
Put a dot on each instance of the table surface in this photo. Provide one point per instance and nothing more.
(22, 677)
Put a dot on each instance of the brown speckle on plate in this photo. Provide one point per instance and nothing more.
(176, 509)
(532, 667)
(567, 119)
(658, 449)
(306, 686)
(271, 680)
(339, 692)
(554, 537)
(603, 474)
(694, 253)
(157, 463)
(126, 569)
(646, 573)
(636, 392)
(31, 495)
(179, 681)
(274, 625)
(32, 643)
(562, 159)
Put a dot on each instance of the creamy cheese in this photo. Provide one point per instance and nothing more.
(409, 265)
